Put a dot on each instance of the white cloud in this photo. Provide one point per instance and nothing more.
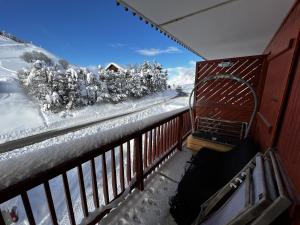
(192, 63)
(182, 75)
(157, 51)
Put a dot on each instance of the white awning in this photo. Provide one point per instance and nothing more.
(215, 28)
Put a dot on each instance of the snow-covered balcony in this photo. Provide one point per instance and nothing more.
(94, 174)
(151, 206)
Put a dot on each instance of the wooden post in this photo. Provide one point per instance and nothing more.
(139, 162)
(28, 208)
(180, 127)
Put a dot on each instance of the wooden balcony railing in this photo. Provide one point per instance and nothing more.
(125, 164)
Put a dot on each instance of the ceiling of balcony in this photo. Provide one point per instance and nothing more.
(215, 28)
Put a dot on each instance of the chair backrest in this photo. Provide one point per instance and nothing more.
(202, 101)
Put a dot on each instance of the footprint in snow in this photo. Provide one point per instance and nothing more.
(122, 222)
(151, 190)
(157, 212)
(142, 209)
(136, 219)
(132, 216)
(127, 216)
(149, 201)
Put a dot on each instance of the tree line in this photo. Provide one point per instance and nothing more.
(59, 85)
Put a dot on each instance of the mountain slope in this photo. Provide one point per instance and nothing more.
(17, 110)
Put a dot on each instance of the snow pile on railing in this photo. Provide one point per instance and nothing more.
(15, 167)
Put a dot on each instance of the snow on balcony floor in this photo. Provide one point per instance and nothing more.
(151, 206)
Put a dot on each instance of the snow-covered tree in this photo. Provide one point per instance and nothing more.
(59, 89)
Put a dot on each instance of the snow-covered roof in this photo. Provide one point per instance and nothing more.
(115, 65)
(214, 28)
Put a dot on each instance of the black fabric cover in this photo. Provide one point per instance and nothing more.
(206, 173)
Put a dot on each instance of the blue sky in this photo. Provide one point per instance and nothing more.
(91, 32)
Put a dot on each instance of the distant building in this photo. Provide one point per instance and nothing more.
(114, 67)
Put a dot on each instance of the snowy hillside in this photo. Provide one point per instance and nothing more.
(21, 115)
(18, 112)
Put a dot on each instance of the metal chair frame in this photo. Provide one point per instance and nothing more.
(230, 77)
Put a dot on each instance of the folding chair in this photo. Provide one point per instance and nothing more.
(255, 196)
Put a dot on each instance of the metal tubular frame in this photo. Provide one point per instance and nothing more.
(230, 77)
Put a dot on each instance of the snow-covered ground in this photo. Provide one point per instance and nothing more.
(49, 121)
(151, 206)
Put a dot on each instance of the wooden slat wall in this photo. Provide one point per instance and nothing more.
(226, 99)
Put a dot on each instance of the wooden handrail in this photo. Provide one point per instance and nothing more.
(168, 133)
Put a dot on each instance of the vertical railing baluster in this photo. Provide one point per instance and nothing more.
(68, 199)
(82, 192)
(183, 125)
(158, 142)
(145, 149)
(150, 148)
(165, 138)
(128, 164)
(172, 130)
(104, 177)
(154, 145)
(171, 138)
(139, 162)
(161, 140)
(180, 132)
(28, 208)
(168, 135)
(133, 164)
(94, 184)
(113, 173)
(50, 203)
(176, 131)
(122, 168)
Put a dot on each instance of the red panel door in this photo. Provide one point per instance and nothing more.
(273, 97)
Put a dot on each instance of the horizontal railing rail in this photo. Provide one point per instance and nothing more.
(103, 175)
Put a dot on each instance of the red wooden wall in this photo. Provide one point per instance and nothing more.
(278, 120)
(281, 60)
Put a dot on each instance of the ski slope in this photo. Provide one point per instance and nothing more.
(18, 112)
